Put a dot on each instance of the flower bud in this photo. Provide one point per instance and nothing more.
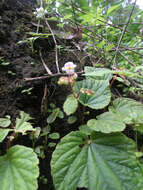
(63, 81)
(88, 92)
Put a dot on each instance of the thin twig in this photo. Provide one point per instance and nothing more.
(127, 59)
(122, 35)
(45, 66)
(123, 48)
(56, 46)
(132, 23)
(102, 38)
(48, 76)
(105, 22)
(135, 52)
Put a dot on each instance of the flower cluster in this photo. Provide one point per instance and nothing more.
(69, 68)
(67, 80)
(40, 12)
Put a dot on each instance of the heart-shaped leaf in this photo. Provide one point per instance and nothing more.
(106, 161)
(19, 169)
(107, 122)
(93, 93)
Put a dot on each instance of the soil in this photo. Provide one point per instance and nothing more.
(16, 21)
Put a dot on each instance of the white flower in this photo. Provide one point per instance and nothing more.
(69, 67)
(40, 12)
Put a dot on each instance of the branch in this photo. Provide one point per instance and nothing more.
(105, 22)
(56, 46)
(48, 76)
(123, 32)
(45, 66)
(127, 59)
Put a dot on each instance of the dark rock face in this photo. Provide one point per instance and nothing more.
(15, 22)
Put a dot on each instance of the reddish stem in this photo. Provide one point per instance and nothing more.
(71, 85)
(10, 140)
(113, 81)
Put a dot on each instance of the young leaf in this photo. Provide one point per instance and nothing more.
(3, 134)
(109, 47)
(54, 136)
(5, 122)
(19, 169)
(51, 144)
(107, 122)
(52, 117)
(22, 124)
(107, 161)
(101, 44)
(111, 9)
(72, 119)
(100, 96)
(70, 105)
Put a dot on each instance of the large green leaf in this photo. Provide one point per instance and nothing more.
(99, 90)
(103, 73)
(19, 169)
(98, 73)
(22, 124)
(107, 122)
(70, 105)
(130, 111)
(106, 162)
(3, 134)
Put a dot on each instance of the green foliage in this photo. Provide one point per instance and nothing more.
(19, 169)
(52, 117)
(103, 73)
(70, 105)
(3, 134)
(22, 124)
(85, 129)
(106, 123)
(93, 93)
(128, 110)
(54, 136)
(5, 122)
(113, 8)
(104, 161)
(97, 73)
(96, 156)
(72, 119)
(3, 62)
